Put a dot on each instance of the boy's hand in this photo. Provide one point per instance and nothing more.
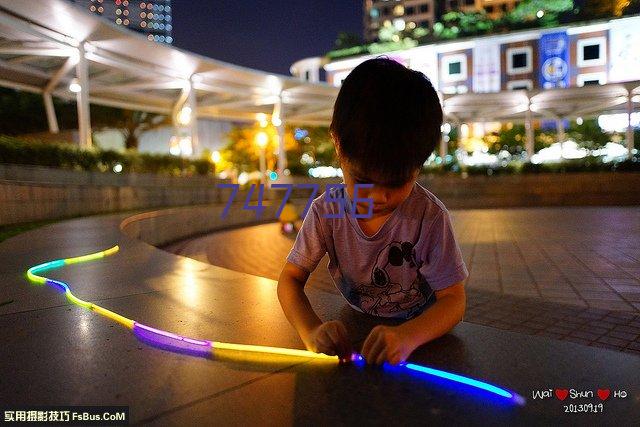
(386, 343)
(330, 338)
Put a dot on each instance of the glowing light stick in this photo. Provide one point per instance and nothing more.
(467, 381)
(205, 348)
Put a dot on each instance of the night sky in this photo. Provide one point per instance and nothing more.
(267, 35)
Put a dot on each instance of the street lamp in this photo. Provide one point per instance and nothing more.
(262, 139)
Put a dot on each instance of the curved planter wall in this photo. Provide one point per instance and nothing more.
(35, 193)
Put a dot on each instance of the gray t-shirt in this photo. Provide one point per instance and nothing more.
(393, 273)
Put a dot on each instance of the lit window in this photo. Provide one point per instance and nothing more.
(591, 79)
(398, 10)
(520, 85)
(375, 13)
(591, 52)
(519, 60)
(454, 67)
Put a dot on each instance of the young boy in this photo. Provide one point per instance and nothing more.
(403, 260)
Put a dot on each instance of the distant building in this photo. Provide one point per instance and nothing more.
(151, 18)
(423, 13)
(577, 54)
(419, 13)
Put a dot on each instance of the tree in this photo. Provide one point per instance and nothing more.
(346, 40)
(244, 153)
(605, 8)
(131, 124)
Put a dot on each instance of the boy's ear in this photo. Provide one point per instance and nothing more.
(336, 142)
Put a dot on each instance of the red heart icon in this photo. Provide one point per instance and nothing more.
(562, 393)
(603, 394)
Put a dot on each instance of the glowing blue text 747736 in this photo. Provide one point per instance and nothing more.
(259, 207)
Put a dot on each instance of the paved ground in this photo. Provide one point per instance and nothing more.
(566, 273)
(56, 353)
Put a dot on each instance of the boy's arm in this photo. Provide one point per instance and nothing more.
(396, 343)
(329, 337)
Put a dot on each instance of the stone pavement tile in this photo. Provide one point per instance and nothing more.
(555, 285)
(626, 288)
(561, 293)
(595, 329)
(577, 340)
(628, 282)
(606, 345)
(501, 325)
(601, 323)
(612, 274)
(623, 315)
(599, 295)
(547, 333)
(592, 314)
(623, 335)
(590, 287)
(627, 329)
(559, 330)
(631, 296)
(613, 305)
(613, 341)
(534, 324)
(494, 315)
(524, 292)
(610, 318)
(569, 301)
(585, 278)
(590, 336)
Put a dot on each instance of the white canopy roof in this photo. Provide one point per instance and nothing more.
(545, 104)
(39, 46)
(38, 52)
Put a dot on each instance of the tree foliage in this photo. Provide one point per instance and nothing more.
(131, 124)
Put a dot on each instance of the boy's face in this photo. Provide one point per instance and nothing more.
(385, 198)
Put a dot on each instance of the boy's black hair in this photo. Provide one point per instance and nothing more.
(386, 121)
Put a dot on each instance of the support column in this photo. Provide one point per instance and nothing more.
(82, 100)
(69, 64)
(52, 120)
(193, 125)
(278, 121)
(560, 132)
(528, 127)
(282, 153)
(443, 146)
(629, 136)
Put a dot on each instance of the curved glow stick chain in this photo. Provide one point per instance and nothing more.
(171, 341)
